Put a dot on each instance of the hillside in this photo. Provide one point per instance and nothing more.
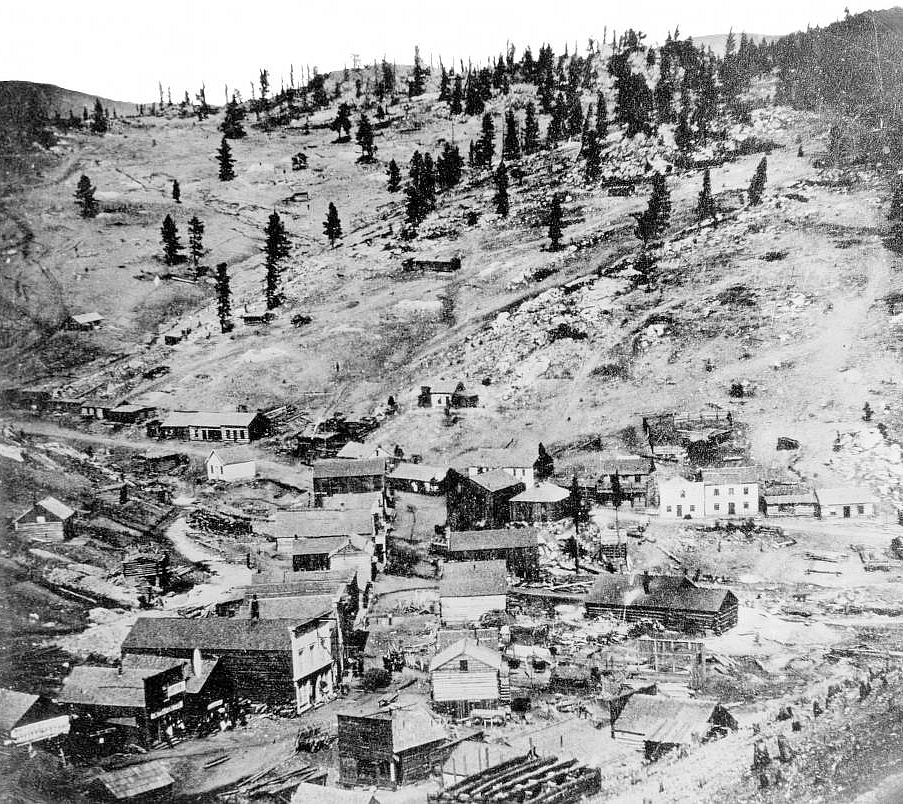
(718, 41)
(16, 95)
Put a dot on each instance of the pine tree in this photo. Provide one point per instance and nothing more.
(501, 190)
(176, 191)
(757, 185)
(654, 221)
(394, 177)
(364, 139)
(896, 203)
(683, 134)
(195, 240)
(223, 299)
(84, 196)
(428, 184)
(556, 224)
(574, 122)
(99, 120)
(171, 244)
(511, 141)
(473, 100)
(444, 83)
(531, 130)
(486, 144)
(231, 126)
(342, 123)
(332, 226)
(277, 250)
(705, 206)
(457, 96)
(593, 155)
(417, 85)
(557, 129)
(449, 166)
(226, 162)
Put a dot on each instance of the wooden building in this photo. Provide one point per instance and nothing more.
(658, 724)
(230, 427)
(846, 503)
(145, 703)
(480, 501)
(47, 520)
(356, 451)
(26, 719)
(336, 554)
(389, 747)
(434, 266)
(731, 492)
(466, 676)
(159, 461)
(470, 589)
(342, 476)
(130, 414)
(679, 498)
(447, 396)
(148, 565)
(232, 465)
(517, 547)
(674, 601)
(542, 502)
(317, 523)
(418, 478)
(84, 322)
(791, 503)
(145, 782)
(59, 404)
(93, 409)
(634, 474)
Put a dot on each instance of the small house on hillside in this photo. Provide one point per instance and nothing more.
(674, 601)
(846, 503)
(451, 395)
(543, 502)
(418, 478)
(84, 322)
(147, 565)
(633, 475)
(517, 547)
(130, 414)
(731, 492)
(92, 409)
(470, 589)
(467, 676)
(231, 465)
(47, 520)
(230, 427)
(389, 747)
(679, 498)
(26, 719)
(659, 724)
(343, 476)
(480, 501)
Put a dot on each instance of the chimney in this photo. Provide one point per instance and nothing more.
(646, 582)
(197, 664)
(255, 608)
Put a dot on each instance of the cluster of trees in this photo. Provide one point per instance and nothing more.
(427, 177)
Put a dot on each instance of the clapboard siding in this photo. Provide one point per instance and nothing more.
(469, 609)
(481, 685)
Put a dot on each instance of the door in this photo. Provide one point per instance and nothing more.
(846, 512)
(680, 511)
(731, 509)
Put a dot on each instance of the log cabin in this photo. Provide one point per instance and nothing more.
(47, 520)
(468, 675)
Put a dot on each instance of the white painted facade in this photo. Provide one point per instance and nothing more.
(732, 499)
(680, 498)
(469, 609)
(225, 470)
(313, 668)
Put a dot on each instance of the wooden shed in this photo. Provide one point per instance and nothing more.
(481, 500)
(470, 589)
(343, 476)
(47, 520)
(468, 675)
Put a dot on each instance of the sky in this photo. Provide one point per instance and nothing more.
(121, 49)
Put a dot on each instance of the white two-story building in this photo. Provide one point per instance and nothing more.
(731, 492)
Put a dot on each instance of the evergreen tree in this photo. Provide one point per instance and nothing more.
(428, 184)
(364, 139)
(654, 221)
(473, 100)
(664, 89)
(705, 206)
(896, 203)
(457, 96)
(277, 250)
(231, 126)
(84, 196)
(501, 190)
(444, 84)
(171, 244)
(757, 185)
(195, 240)
(575, 115)
(415, 204)
(394, 177)
(99, 120)
(544, 465)
(417, 84)
(332, 226)
(486, 144)
(556, 224)
(683, 134)
(511, 140)
(176, 191)
(531, 130)
(635, 104)
(449, 166)
(593, 155)
(223, 299)
(226, 162)
(342, 123)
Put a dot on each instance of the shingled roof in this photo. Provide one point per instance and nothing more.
(136, 780)
(316, 523)
(343, 467)
(496, 480)
(202, 418)
(469, 648)
(669, 720)
(473, 579)
(665, 592)
(226, 634)
(107, 686)
(542, 493)
(13, 707)
(462, 541)
(421, 472)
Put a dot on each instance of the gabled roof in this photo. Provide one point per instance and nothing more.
(316, 523)
(87, 318)
(466, 649)
(489, 637)
(226, 634)
(845, 495)
(419, 471)
(666, 720)
(13, 707)
(343, 467)
(355, 450)
(303, 584)
(460, 541)
(136, 780)
(53, 506)
(626, 465)
(794, 498)
(330, 545)
(200, 418)
(737, 474)
(412, 726)
(297, 609)
(473, 579)
(137, 661)
(369, 501)
(495, 480)
(542, 493)
(107, 686)
(233, 455)
(673, 592)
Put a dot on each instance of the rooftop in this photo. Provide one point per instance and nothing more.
(226, 634)
(665, 592)
(355, 450)
(496, 480)
(667, 720)
(200, 418)
(473, 578)
(232, 455)
(469, 648)
(330, 544)
(343, 467)
(296, 609)
(542, 493)
(55, 507)
(315, 523)
(13, 706)
(845, 495)
(136, 780)
(626, 465)
(461, 541)
(419, 471)
(107, 686)
(412, 726)
(87, 318)
(737, 474)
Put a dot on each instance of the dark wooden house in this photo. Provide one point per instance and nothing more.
(541, 502)
(418, 478)
(480, 501)
(517, 547)
(150, 566)
(131, 414)
(633, 476)
(389, 747)
(435, 266)
(230, 427)
(447, 396)
(674, 601)
(46, 520)
(341, 476)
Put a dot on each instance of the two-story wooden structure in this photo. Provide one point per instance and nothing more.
(336, 554)
(229, 427)
(633, 474)
(470, 589)
(466, 676)
(48, 520)
(481, 500)
(517, 547)
(418, 478)
(344, 476)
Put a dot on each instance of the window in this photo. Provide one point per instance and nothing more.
(40, 519)
(730, 491)
(717, 507)
(692, 508)
(715, 492)
(683, 493)
(462, 665)
(668, 509)
(860, 509)
(746, 506)
(636, 478)
(746, 489)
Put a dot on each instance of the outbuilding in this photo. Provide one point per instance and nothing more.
(847, 502)
(543, 502)
(344, 476)
(468, 675)
(470, 589)
(231, 465)
(47, 520)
